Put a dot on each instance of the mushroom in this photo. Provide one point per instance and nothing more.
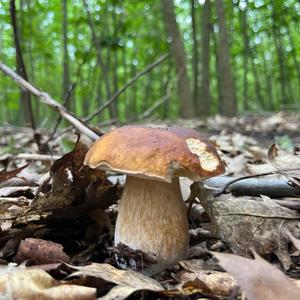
(152, 216)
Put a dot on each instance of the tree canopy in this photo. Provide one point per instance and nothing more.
(91, 49)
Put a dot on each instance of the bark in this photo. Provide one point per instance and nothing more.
(276, 188)
(228, 105)
(204, 105)
(25, 112)
(178, 52)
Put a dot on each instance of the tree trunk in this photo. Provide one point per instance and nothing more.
(228, 106)
(269, 85)
(195, 58)
(178, 52)
(66, 73)
(99, 53)
(217, 68)
(203, 108)
(243, 17)
(25, 112)
(280, 54)
(294, 54)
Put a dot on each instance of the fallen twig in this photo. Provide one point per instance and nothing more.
(33, 156)
(46, 98)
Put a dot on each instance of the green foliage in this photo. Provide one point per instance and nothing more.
(131, 35)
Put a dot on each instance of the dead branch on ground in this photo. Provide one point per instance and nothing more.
(47, 99)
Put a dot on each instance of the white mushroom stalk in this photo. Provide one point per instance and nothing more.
(153, 218)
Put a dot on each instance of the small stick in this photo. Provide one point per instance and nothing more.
(41, 157)
(47, 99)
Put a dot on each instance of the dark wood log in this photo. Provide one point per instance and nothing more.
(274, 188)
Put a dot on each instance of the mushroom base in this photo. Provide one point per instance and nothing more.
(153, 218)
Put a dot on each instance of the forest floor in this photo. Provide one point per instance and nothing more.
(57, 219)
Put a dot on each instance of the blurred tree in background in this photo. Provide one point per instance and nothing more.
(227, 57)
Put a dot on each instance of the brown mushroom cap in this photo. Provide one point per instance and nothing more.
(156, 153)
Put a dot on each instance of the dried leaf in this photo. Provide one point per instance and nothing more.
(5, 175)
(258, 223)
(37, 284)
(283, 164)
(219, 283)
(127, 282)
(39, 251)
(257, 278)
(70, 179)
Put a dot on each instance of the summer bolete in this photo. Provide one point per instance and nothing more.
(152, 215)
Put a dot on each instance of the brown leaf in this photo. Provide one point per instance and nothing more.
(39, 251)
(127, 282)
(288, 165)
(257, 278)
(5, 175)
(219, 283)
(248, 222)
(70, 178)
(37, 284)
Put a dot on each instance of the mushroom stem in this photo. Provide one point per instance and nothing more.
(153, 218)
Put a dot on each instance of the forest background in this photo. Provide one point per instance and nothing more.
(192, 58)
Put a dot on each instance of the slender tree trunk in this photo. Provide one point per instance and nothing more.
(243, 17)
(112, 52)
(217, 68)
(279, 50)
(268, 79)
(203, 107)
(166, 108)
(294, 54)
(100, 61)
(228, 107)
(66, 72)
(178, 52)
(148, 91)
(256, 81)
(248, 53)
(26, 112)
(195, 54)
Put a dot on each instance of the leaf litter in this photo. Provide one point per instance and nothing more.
(57, 222)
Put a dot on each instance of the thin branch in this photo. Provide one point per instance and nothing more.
(147, 113)
(59, 119)
(128, 84)
(46, 98)
(33, 156)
